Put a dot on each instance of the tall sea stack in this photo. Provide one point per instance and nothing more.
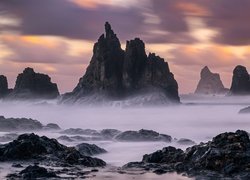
(117, 74)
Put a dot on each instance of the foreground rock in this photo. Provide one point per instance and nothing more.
(240, 82)
(210, 83)
(142, 135)
(33, 172)
(33, 147)
(117, 74)
(30, 84)
(89, 149)
(227, 155)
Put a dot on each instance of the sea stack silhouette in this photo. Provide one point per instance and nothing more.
(210, 83)
(116, 74)
(32, 85)
(240, 81)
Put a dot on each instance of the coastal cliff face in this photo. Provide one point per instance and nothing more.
(240, 81)
(30, 84)
(210, 83)
(116, 74)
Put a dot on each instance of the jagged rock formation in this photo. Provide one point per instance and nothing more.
(210, 83)
(227, 155)
(117, 74)
(30, 84)
(240, 82)
(34, 147)
(4, 90)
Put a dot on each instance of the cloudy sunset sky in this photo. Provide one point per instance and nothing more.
(56, 37)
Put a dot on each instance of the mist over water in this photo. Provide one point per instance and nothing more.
(197, 118)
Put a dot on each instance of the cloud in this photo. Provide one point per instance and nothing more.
(33, 49)
(67, 19)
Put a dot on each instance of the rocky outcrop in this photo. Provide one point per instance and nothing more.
(210, 83)
(240, 82)
(24, 124)
(30, 84)
(227, 155)
(89, 149)
(19, 124)
(33, 147)
(34, 172)
(4, 90)
(142, 135)
(117, 74)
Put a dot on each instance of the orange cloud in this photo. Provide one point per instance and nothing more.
(192, 9)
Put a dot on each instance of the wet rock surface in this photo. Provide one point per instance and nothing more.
(227, 155)
(30, 84)
(117, 74)
(89, 149)
(240, 81)
(210, 83)
(32, 147)
(142, 135)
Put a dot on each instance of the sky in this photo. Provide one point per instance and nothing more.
(56, 37)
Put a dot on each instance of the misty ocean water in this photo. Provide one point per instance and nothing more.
(198, 119)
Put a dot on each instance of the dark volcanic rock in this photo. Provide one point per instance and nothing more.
(89, 149)
(245, 110)
(33, 147)
(30, 84)
(142, 135)
(227, 155)
(210, 83)
(4, 86)
(34, 172)
(240, 82)
(19, 124)
(117, 74)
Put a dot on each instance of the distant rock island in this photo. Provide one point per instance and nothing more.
(117, 74)
(30, 84)
(240, 81)
(4, 90)
(210, 83)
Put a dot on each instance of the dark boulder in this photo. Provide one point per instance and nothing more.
(116, 74)
(30, 84)
(89, 149)
(142, 135)
(210, 83)
(33, 147)
(240, 81)
(227, 155)
(34, 172)
(19, 124)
